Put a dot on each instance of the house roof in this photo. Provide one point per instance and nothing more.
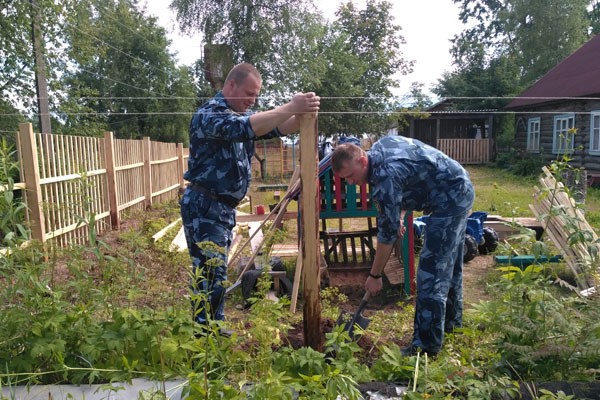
(578, 75)
(448, 106)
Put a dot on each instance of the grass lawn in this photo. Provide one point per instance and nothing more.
(498, 192)
(502, 193)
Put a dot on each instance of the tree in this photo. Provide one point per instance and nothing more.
(420, 100)
(508, 45)
(363, 55)
(481, 88)
(536, 34)
(594, 16)
(10, 118)
(124, 79)
(350, 64)
(17, 81)
(279, 37)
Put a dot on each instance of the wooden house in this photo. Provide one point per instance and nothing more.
(560, 113)
(465, 135)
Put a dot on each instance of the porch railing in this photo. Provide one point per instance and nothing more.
(468, 151)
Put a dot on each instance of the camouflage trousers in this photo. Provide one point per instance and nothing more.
(206, 220)
(439, 302)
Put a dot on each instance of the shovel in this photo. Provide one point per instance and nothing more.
(351, 320)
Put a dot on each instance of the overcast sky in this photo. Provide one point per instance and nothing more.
(427, 27)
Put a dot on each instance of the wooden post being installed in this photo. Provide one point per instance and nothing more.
(309, 211)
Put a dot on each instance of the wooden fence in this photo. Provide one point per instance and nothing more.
(468, 151)
(72, 182)
(280, 158)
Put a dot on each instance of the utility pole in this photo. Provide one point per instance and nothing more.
(41, 83)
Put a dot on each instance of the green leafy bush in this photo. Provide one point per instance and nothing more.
(13, 230)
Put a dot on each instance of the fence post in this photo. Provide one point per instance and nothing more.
(281, 156)
(147, 171)
(180, 166)
(31, 177)
(111, 175)
(309, 174)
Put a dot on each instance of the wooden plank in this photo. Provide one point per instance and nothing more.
(31, 175)
(297, 278)
(166, 229)
(179, 243)
(256, 234)
(280, 209)
(284, 250)
(245, 218)
(559, 211)
(309, 211)
(147, 172)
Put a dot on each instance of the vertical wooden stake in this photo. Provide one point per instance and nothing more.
(309, 172)
(147, 171)
(111, 175)
(297, 279)
(31, 177)
(180, 167)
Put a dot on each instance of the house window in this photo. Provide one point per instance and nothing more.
(595, 132)
(564, 133)
(533, 135)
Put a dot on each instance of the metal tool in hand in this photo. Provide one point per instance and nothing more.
(351, 320)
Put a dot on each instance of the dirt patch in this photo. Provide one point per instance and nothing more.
(392, 299)
(474, 274)
(173, 279)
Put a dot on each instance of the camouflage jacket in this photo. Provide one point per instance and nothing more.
(221, 148)
(406, 174)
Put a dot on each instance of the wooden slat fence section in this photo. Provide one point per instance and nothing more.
(273, 152)
(129, 167)
(73, 186)
(69, 180)
(467, 151)
(164, 171)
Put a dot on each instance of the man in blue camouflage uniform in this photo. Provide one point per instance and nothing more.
(222, 136)
(406, 174)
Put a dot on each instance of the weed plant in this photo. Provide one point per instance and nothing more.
(13, 228)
